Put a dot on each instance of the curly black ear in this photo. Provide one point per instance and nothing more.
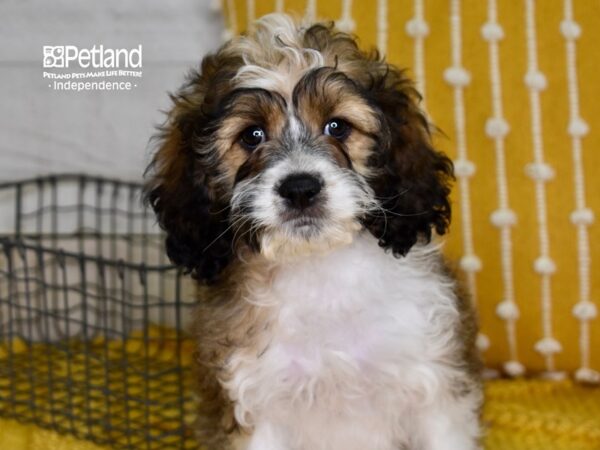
(412, 181)
(183, 184)
(187, 208)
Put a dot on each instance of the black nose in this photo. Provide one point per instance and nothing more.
(300, 189)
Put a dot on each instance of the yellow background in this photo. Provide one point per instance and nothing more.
(518, 144)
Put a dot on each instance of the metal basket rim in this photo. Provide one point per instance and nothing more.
(13, 240)
(70, 176)
(8, 242)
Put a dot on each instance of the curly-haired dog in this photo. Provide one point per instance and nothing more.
(296, 181)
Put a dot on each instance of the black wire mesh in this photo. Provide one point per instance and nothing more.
(92, 316)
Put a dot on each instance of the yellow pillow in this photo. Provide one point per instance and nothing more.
(534, 272)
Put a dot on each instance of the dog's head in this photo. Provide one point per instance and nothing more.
(291, 140)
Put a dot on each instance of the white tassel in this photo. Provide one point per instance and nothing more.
(482, 342)
(346, 25)
(418, 29)
(346, 22)
(464, 168)
(587, 375)
(541, 173)
(578, 128)
(496, 127)
(458, 77)
(507, 310)
(382, 26)
(548, 346)
(513, 368)
(311, 11)
(492, 31)
(536, 80)
(504, 217)
(544, 265)
(584, 216)
(250, 12)
(570, 29)
(231, 29)
(470, 263)
(554, 375)
(584, 310)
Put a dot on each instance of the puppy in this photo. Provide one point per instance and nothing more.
(297, 183)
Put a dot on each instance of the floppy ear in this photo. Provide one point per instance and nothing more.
(412, 181)
(187, 207)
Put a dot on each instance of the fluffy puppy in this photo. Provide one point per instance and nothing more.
(297, 183)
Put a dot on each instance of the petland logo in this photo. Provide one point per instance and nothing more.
(71, 68)
(97, 57)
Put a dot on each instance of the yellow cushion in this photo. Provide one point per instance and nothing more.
(541, 415)
(565, 284)
(519, 415)
(19, 436)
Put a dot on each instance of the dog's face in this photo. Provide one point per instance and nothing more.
(290, 140)
(298, 162)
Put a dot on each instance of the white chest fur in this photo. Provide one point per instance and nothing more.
(361, 340)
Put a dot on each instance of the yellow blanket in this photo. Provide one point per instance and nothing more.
(519, 415)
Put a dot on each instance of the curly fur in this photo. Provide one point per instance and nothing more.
(334, 327)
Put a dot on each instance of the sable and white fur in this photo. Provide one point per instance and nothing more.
(327, 319)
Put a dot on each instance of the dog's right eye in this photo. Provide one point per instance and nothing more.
(252, 137)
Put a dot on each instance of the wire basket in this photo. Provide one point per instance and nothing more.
(92, 316)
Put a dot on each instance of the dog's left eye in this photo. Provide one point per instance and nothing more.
(252, 137)
(337, 128)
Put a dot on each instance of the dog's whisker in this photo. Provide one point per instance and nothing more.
(399, 194)
(236, 238)
(227, 207)
(387, 211)
(219, 236)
